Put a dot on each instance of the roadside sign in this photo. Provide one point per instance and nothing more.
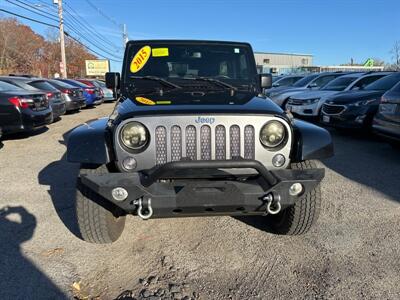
(369, 63)
(97, 67)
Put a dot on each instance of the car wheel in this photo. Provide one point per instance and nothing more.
(99, 221)
(298, 218)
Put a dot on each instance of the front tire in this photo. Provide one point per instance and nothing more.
(298, 218)
(99, 221)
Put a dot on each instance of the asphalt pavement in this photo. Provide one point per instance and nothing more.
(353, 252)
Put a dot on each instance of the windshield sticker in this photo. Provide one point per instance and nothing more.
(145, 101)
(140, 59)
(237, 50)
(164, 102)
(158, 52)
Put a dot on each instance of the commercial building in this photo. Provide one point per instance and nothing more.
(281, 63)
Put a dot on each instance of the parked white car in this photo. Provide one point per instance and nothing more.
(309, 103)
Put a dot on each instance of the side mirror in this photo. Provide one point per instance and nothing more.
(265, 81)
(113, 80)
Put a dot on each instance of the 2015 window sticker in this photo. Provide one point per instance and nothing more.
(145, 101)
(140, 59)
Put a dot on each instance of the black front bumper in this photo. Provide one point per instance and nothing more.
(206, 189)
(351, 118)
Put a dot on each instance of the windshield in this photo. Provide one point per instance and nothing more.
(100, 83)
(43, 85)
(74, 83)
(181, 63)
(4, 86)
(339, 84)
(384, 84)
(77, 83)
(60, 84)
(306, 80)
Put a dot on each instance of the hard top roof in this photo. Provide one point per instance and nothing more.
(197, 42)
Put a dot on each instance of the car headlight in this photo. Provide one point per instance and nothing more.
(134, 135)
(311, 101)
(363, 102)
(272, 134)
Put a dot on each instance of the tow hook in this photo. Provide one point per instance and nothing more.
(144, 208)
(273, 205)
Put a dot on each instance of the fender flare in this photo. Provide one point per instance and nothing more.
(310, 142)
(88, 144)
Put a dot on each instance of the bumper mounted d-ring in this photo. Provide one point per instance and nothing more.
(145, 211)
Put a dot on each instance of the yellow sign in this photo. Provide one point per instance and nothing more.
(157, 52)
(145, 101)
(97, 67)
(140, 59)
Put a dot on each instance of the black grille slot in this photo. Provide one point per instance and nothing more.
(330, 109)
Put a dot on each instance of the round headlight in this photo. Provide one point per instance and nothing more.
(272, 134)
(134, 135)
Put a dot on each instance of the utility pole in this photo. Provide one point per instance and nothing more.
(63, 64)
(124, 35)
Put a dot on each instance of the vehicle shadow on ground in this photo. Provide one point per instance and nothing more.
(367, 160)
(61, 177)
(24, 135)
(20, 279)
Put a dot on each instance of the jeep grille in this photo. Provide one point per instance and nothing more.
(187, 137)
(207, 142)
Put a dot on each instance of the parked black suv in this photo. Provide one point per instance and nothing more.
(192, 135)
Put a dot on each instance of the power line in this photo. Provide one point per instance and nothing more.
(54, 26)
(27, 18)
(88, 27)
(83, 45)
(91, 42)
(73, 28)
(33, 11)
(103, 14)
(88, 37)
(73, 21)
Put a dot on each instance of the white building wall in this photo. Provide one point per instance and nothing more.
(283, 60)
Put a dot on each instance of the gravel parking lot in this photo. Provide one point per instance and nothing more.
(353, 252)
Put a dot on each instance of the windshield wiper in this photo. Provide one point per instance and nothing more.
(159, 79)
(216, 81)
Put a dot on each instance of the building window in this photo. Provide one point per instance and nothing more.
(266, 60)
(304, 61)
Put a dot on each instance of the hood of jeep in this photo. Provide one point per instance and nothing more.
(244, 103)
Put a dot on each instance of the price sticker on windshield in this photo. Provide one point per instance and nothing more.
(140, 59)
(158, 52)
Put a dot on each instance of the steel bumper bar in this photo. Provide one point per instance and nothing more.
(218, 193)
